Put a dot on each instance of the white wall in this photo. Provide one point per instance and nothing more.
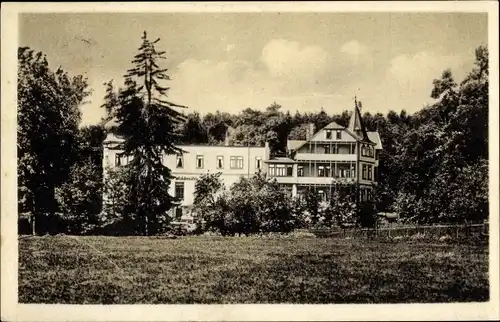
(189, 172)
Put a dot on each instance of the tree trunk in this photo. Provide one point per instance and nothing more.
(33, 231)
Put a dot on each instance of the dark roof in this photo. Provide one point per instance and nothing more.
(356, 124)
(280, 160)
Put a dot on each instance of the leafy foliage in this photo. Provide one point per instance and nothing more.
(444, 148)
(252, 205)
(48, 117)
(79, 199)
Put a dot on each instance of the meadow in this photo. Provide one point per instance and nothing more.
(149, 270)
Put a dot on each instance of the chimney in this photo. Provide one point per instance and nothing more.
(310, 131)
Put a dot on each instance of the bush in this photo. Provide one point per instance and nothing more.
(251, 206)
(80, 200)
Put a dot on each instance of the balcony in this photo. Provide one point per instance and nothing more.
(325, 157)
(312, 180)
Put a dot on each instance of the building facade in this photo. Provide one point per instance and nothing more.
(331, 155)
(232, 162)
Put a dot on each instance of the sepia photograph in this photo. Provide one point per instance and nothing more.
(224, 157)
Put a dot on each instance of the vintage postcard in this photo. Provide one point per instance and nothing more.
(250, 161)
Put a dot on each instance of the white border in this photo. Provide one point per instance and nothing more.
(12, 311)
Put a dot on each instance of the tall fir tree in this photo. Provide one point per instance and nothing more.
(147, 121)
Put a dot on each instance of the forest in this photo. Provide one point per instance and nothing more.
(433, 169)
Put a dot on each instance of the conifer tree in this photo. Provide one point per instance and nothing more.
(147, 122)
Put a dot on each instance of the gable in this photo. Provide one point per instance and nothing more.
(345, 136)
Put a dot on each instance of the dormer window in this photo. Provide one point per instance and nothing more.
(339, 135)
(329, 134)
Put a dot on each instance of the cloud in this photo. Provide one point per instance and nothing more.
(410, 76)
(356, 57)
(422, 66)
(283, 69)
(302, 77)
(285, 58)
(353, 48)
(417, 71)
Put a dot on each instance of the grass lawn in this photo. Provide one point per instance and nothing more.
(127, 270)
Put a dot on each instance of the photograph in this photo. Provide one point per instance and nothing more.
(238, 156)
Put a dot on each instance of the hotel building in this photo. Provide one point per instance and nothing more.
(331, 155)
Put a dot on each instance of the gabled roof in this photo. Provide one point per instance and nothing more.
(356, 128)
(334, 126)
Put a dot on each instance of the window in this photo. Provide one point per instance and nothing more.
(339, 135)
(300, 171)
(369, 172)
(118, 160)
(321, 171)
(367, 151)
(236, 162)
(353, 170)
(220, 162)
(343, 169)
(199, 162)
(353, 148)
(364, 172)
(125, 159)
(258, 162)
(280, 170)
(327, 149)
(329, 134)
(321, 194)
(179, 190)
(369, 195)
(179, 162)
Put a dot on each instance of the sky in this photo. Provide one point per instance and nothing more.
(302, 61)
